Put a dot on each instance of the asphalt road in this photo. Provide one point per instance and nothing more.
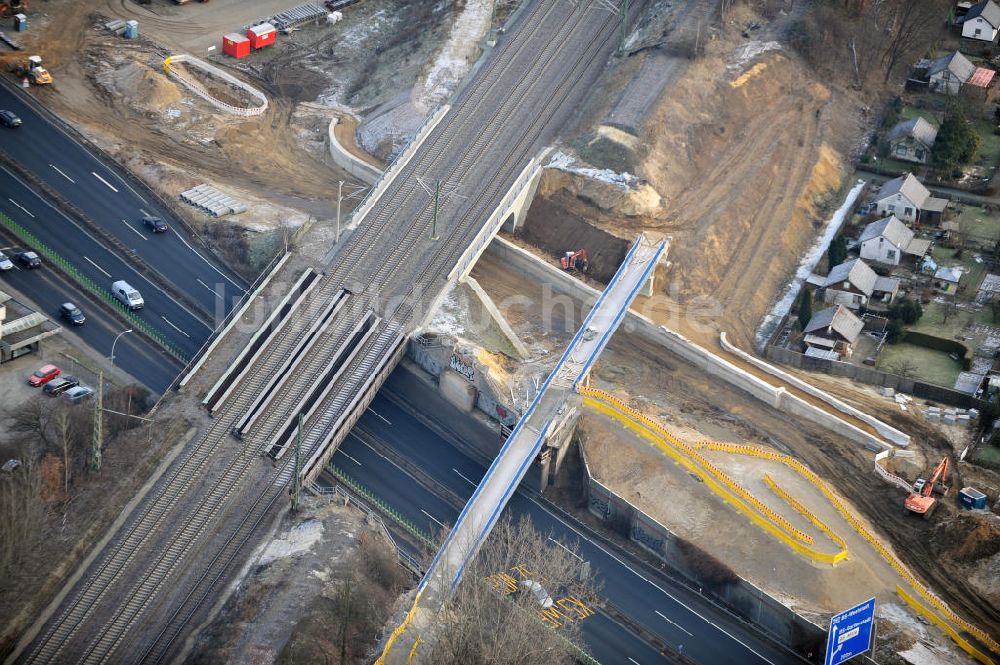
(674, 614)
(134, 353)
(110, 200)
(182, 327)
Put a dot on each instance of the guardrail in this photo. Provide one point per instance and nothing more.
(89, 285)
(386, 509)
(199, 90)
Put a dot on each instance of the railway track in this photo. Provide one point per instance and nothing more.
(322, 363)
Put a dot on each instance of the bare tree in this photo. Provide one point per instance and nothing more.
(521, 601)
(947, 310)
(903, 367)
(910, 26)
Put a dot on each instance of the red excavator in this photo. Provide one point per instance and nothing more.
(11, 7)
(920, 500)
(575, 260)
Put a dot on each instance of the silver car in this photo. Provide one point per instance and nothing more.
(78, 394)
(5, 263)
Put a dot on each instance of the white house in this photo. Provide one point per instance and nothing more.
(833, 329)
(889, 241)
(907, 199)
(854, 284)
(982, 22)
(912, 140)
(947, 75)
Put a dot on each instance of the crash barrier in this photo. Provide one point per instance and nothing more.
(889, 432)
(87, 284)
(386, 509)
(805, 512)
(940, 623)
(200, 90)
(848, 515)
(714, 478)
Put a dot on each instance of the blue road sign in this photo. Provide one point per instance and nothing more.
(851, 633)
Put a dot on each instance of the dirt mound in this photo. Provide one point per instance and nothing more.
(969, 537)
(140, 87)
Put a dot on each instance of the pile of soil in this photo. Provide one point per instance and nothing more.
(139, 86)
(968, 537)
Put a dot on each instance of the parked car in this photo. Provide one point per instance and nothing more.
(60, 384)
(127, 295)
(44, 374)
(154, 224)
(5, 263)
(71, 313)
(29, 259)
(78, 394)
(9, 119)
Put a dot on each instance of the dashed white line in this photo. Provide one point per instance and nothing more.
(106, 273)
(350, 458)
(633, 660)
(369, 447)
(197, 279)
(60, 172)
(173, 326)
(436, 521)
(23, 209)
(680, 627)
(110, 186)
(210, 265)
(134, 230)
(462, 476)
(379, 416)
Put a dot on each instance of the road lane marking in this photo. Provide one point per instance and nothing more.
(172, 325)
(208, 287)
(351, 458)
(460, 475)
(106, 273)
(650, 582)
(633, 660)
(680, 627)
(60, 172)
(572, 553)
(25, 210)
(379, 416)
(209, 263)
(110, 186)
(436, 521)
(134, 229)
(369, 446)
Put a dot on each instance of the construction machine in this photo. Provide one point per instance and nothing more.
(11, 7)
(32, 70)
(575, 260)
(921, 501)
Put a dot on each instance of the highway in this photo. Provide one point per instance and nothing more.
(53, 156)
(176, 322)
(674, 614)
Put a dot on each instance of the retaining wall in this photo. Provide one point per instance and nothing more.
(537, 270)
(346, 160)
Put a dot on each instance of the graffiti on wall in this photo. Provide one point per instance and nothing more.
(463, 367)
(651, 541)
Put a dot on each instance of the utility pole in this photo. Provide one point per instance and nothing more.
(340, 198)
(437, 199)
(95, 448)
(622, 25)
(296, 481)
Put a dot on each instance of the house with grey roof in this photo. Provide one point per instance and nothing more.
(907, 199)
(981, 23)
(854, 284)
(947, 74)
(912, 140)
(889, 241)
(833, 329)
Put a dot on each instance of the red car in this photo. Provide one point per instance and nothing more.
(43, 375)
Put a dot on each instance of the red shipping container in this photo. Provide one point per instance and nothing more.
(236, 45)
(262, 35)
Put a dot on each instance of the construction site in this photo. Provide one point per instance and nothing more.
(707, 129)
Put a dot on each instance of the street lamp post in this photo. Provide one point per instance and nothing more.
(124, 332)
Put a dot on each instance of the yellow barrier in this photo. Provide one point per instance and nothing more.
(640, 427)
(400, 629)
(807, 473)
(805, 512)
(413, 651)
(939, 622)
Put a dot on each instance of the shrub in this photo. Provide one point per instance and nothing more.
(906, 310)
(894, 332)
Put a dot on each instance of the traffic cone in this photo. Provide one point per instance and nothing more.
(25, 83)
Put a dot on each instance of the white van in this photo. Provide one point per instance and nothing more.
(127, 295)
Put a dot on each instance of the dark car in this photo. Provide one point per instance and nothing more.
(59, 385)
(71, 313)
(29, 259)
(155, 224)
(9, 119)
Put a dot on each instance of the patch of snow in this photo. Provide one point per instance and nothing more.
(455, 58)
(806, 267)
(446, 320)
(564, 162)
(747, 52)
(299, 540)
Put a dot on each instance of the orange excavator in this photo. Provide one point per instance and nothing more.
(921, 501)
(11, 7)
(577, 260)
